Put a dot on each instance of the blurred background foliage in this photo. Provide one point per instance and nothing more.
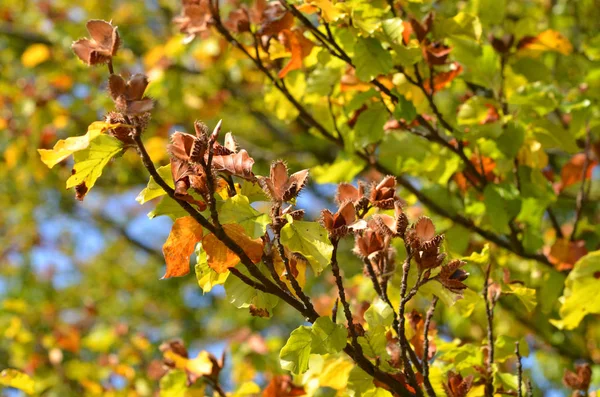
(82, 309)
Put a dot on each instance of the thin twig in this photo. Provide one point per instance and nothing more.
(581, 195)
(335, 269)
(519, 370)
(427, 382)
(529, 388)
(555, 224)
(489, 311)
(402, 341)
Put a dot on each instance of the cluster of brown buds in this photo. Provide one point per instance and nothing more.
(372, 241)
(283, 188)
(102, 45)
(196, 160)
(373, 236)
(456, 385)
(126, 92)
(132, 107)
(578, 381)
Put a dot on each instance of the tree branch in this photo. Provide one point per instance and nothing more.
(582, 195)
(427, 382)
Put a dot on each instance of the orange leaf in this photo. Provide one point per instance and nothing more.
(68, 338)
(298, 45)
(406, 32)
(572, 171)
(565, 253)
(441, 80)
(282, 386)
(180, 244)
(220, 258)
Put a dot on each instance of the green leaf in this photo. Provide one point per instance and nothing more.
(540, 98)
(207, 277)
(168, 206)
(527, 296)
(241, 295)
(581, 287)
(173, 384)
(369, 126)
(153, 190)
(504, 380)
(295, 353)
(66, 147)
(511, 139)
(408, 55)
(502, 204)
(90, 162)
(405, 109)
(504, 348)
(379, 314)
(374, 343)
(360, 382)
(468, 303)
(253, 191)
(328, 337)
(482, 258)
(393, 29)
(19, 380)
(371, 59)
(343, 169)
(309, 239)
(473, 112)
(237, 209)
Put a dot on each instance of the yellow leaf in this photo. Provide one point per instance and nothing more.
(12, 154)
(220, 258)
(155, 147)
(201, 365)
(551, 40)
(66, 147)
(17, 379)
(335, 374)
(328, 10)
(532, 154)
(34, 55)
(180, 244)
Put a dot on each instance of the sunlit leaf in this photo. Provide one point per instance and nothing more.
(65, 148)
(185, 234)
(238, 210)
(309, 239)
(17, 379)
(581, 284)
(295, 353)
(90, 162)
(220, 258)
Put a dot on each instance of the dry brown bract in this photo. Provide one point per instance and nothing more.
(129, 95)
(393, 225)
(339, 223)
(279, 186)
(102, 45)
(195, 18)
(383, 194)
(452, 276)
(580, 379)
(457, 386)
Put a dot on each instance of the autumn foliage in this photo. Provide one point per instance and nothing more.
(426, 218)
